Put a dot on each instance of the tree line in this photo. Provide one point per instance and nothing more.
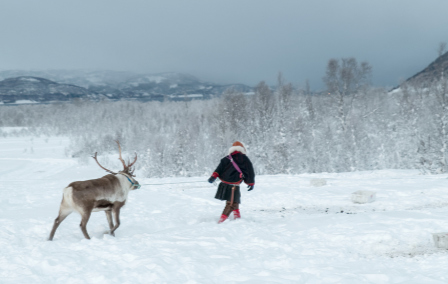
(350, 127)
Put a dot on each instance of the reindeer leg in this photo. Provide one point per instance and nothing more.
(109, 219)
(62, 215)
(85, 218)
(116, 211)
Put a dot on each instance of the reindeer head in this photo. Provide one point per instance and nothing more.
(127, 171)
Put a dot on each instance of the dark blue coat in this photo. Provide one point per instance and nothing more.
(228, 174)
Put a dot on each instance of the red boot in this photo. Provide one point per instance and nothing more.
(236, 214)
(222, 219)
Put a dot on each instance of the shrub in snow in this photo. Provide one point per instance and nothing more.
(363, 196)
(318, 182)
(441, 240)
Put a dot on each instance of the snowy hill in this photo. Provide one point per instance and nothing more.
(432, 72)
(28, 89)
(290, 231)
(126, 85)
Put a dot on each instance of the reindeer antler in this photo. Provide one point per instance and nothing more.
(135, 160)
(131, 171)
(119, 153)
(126, 167)
(109, 171)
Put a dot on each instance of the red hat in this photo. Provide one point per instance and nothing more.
(237, 146)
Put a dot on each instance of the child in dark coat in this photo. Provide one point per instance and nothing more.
(231, 176)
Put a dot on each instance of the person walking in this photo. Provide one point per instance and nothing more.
(232, 171)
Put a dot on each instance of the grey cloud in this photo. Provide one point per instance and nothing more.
(224, 41)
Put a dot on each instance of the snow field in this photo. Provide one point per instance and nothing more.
(290, 231)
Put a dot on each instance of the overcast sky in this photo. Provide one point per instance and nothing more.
(231, 41)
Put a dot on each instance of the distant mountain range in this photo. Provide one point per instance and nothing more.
(61, 85)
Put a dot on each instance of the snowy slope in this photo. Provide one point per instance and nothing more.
(290, 232)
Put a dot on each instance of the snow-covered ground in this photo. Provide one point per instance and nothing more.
(290, 231)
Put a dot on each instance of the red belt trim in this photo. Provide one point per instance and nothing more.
(236, 183)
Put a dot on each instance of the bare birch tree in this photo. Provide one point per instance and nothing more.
(344, 79)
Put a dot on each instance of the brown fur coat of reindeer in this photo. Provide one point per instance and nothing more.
(108, 194)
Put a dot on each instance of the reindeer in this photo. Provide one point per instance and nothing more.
(106, 194)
